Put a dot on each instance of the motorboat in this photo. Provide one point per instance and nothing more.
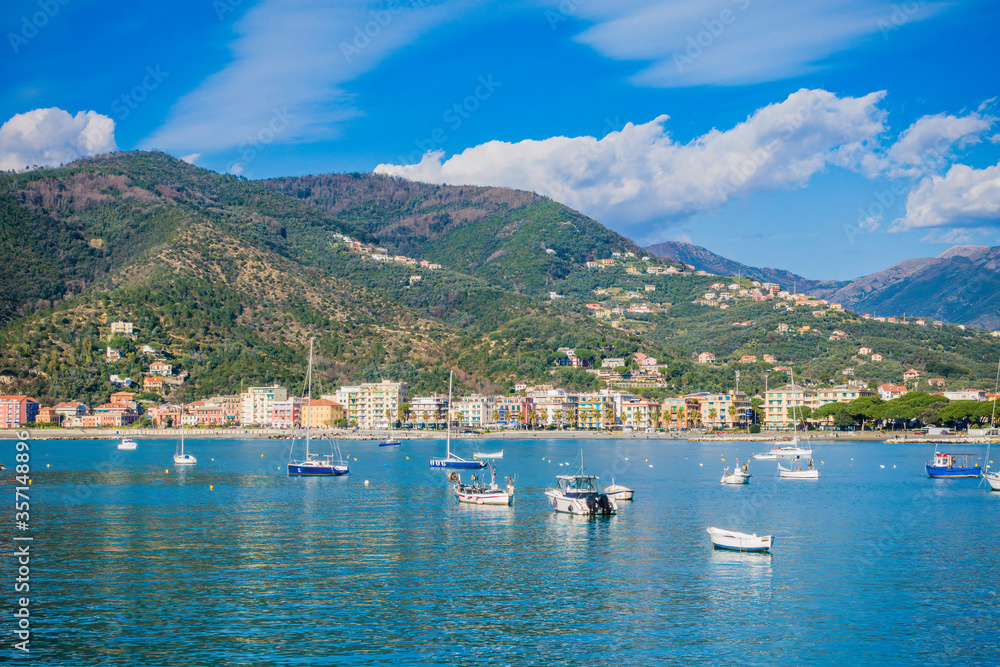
(618, 492)
(993, 479)
(578, 494)
(947, 465)
(739, 475)
(477, 492)
(127, 443)
(731, 540)
(451, 460)
(796, 471)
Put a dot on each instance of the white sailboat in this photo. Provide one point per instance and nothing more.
(795, 471)
(181, 457)
(315, 465)
(992, 477)
(450, 460)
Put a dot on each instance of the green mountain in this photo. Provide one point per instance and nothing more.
(231, 277)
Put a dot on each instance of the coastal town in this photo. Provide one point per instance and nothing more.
(389, 404)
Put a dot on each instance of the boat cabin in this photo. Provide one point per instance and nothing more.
(577, 485)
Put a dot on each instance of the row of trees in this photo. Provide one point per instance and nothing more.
(915, 408)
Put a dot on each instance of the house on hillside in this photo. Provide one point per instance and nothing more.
(160, 368)
(887, 391)
(865, 351)
(706, 358)
(748, 359)
(770, 359)
(910, 375)
(876, 357)
(936, 382)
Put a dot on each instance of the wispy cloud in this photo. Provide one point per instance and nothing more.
(294, 59)
(736, 42)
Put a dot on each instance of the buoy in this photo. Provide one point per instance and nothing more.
(626, 458)
(407, 458)
(701, 464)
(723, 460)
(261, 456)
(366, 482)
(46, 465)
(881, 466)
(650, 465)
(211, 487)
(213, 459)
(355, 458)
(167, 470)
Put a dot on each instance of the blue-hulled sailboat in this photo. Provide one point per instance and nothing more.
(316, 465)
(450, 460)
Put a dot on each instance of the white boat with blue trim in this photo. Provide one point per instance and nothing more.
(731, 540)
(314, 465)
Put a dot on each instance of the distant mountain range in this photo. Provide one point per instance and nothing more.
(961, 285)
(703, 259)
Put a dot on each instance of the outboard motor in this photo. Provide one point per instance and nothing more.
(592, 503)
(604, 503)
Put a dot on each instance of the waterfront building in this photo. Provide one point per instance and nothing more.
(778, 401)
(256, 404)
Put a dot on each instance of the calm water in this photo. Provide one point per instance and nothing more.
(136, 565)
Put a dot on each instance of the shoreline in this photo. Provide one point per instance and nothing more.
(343, 434)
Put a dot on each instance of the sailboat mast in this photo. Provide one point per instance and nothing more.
(309, 375)
(448, 417)
(993, 415)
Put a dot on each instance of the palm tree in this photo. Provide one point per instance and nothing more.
(559, 415)
(732, 414)
(712, 414)
(681, 423)
(425, 414)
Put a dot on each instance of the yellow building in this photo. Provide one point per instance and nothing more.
(778, 401)
(321, 413)
(596, 411)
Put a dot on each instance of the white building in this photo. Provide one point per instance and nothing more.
(474, 411)
(257, 403)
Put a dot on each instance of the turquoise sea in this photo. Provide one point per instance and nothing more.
(136, 562)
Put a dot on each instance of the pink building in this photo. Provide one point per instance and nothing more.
(288, 413)
(17, 411)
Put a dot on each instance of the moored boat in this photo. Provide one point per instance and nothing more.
(488, 455)
(618, 492)
(739, 475)
(796, 471)
(734, 541)
(947, 466)
(578, 494)
(451, 460)
(478, 493)
(312, 464)
(127, 443)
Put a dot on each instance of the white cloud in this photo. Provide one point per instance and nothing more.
(963, 197)
(192, 158)
(49, 137)
(290, 61)
(735, 42)
(639, 173)
(929, 141)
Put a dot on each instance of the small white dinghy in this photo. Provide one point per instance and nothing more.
(619, 492)
(733, 541)
(489, 455)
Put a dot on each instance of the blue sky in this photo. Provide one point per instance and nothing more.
(831, 138)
